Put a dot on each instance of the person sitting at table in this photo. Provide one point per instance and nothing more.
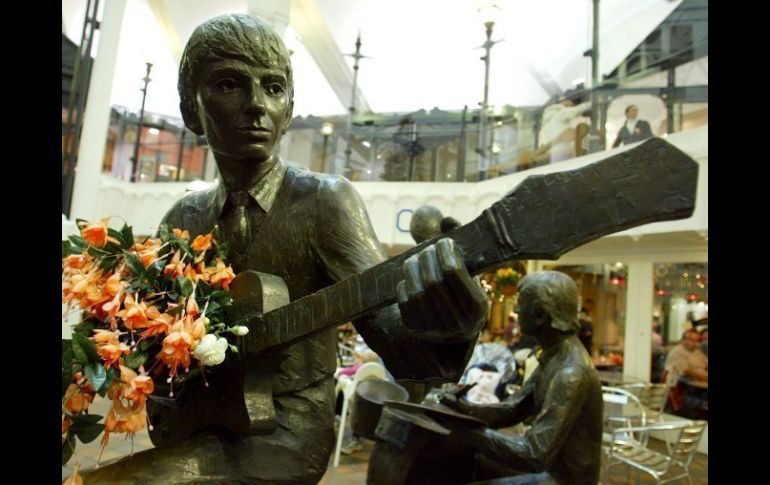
(686, 359)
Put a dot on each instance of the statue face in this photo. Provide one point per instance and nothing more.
(529, 316)
(243, 107)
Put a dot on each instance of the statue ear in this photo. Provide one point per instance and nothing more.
(288, 118)
(190, 116)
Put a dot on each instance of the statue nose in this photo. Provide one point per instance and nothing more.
(256, 100)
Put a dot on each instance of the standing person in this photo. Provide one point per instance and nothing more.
(311, 230)
(634, 129)
(563, 399)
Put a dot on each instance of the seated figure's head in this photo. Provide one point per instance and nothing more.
(235, 85)
(548, 298)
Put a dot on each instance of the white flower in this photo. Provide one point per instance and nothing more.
(240, 330)
(211, 350)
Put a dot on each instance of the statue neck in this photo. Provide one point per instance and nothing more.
(240, 174)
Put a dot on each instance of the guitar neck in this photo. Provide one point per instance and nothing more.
(542, 218)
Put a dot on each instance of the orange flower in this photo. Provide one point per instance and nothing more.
(220, 274)
(192, 308)
(106, 337)
(158, 326)
(77, 400)
(191, 273)
(182, 338)
(96, 234)
(121, 418)
(175, 267)
(201, 243)
(136, 315)
(181, 234)
(138, 386)
(112, 353)
(76, 261)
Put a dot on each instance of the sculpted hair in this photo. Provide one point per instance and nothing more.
(233, 36)
(556, 294)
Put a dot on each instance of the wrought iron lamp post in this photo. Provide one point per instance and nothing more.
(326, 130)
(135, 167)
(489, 13)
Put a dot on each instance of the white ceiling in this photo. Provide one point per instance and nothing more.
(423, 53)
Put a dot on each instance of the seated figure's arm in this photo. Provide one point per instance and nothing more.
(346, 245)
(537, 449)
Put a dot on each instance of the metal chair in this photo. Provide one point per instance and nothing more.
(369, 370)
(653, 397)
(663, 467)
(622, 409)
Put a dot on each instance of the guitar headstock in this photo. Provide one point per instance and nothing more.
(547, 215)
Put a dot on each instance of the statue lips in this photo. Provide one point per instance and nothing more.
(256, 133)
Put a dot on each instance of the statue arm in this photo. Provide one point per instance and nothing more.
(538, 448)
(346, 244)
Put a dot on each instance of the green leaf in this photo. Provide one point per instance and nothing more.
(117, 235)
(146, 344)
(85, 327)
(96, 252)
(84, 348)
(78, 241)
(185, 285)
(164, 232)
(87, 432)
(67, 357)
(134, 263)
(135, 359)
(85, 419)
(67, 448)
(128, 236)
(66, 249)
(96, 374)
(107, 382)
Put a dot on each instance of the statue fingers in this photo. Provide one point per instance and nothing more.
(466, 292)
(438, 295)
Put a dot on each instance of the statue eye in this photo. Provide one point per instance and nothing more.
(275, 88)
(225, 85)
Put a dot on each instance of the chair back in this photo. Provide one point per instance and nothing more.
(622, 409)
(652, 396)
(686, 444)
(369, 370)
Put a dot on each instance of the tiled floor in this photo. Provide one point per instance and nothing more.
(352, 469)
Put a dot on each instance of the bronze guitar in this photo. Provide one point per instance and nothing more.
(542, 218)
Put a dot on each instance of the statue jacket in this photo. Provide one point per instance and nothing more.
(315, 232)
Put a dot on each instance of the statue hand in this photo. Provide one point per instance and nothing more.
(438, 299)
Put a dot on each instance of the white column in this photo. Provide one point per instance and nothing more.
(96, 118)
(637, 352)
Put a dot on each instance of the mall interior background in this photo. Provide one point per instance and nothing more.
(412, 128)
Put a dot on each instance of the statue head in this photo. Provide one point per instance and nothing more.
(428, 222)
(548, 298)
(235, 85)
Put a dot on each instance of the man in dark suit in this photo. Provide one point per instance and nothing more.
(235, 86)
(633, 129)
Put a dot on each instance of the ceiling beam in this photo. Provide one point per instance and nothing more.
(310, 25)
(166, 24)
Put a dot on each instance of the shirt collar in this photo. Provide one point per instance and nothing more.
(264, 192)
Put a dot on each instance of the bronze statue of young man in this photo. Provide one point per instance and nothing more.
(563, 398)
(235, 85)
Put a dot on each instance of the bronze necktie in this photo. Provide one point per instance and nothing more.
(239, 224)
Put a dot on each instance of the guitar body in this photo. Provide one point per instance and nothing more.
(239, 397)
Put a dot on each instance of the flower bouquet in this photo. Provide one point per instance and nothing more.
(150, 310)
(506, 280)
